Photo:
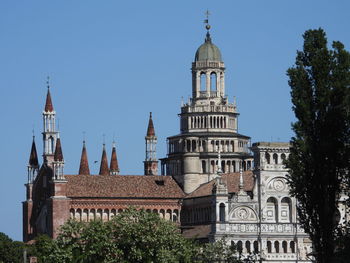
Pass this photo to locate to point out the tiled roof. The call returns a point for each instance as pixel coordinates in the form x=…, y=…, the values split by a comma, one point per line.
x=232, y=181
x=48, y=103
x=128, y=186
x=197, y=232
x=84, y=163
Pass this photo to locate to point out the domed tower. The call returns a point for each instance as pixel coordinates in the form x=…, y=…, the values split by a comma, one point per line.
x=208, y=124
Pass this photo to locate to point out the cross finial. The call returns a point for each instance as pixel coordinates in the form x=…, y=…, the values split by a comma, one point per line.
x=33, y=132
x=104, y=139
x=48, y=81
x=206, y=21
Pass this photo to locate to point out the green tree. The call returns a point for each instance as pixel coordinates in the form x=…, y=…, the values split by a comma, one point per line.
x=10, y=251
x=132, y=236
x=320, y=149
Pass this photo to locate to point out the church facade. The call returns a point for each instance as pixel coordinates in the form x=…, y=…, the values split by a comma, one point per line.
x=213, y=182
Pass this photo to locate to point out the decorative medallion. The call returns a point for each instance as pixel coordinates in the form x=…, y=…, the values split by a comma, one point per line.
x=243, y=213
x=279, y=185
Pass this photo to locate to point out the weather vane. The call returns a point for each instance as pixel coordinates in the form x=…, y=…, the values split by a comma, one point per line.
x=48, y=81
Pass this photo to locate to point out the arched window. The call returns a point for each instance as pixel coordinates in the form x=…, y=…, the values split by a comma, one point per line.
x=204, y=166
x=203, y=81
x=78, y=215
x=99, y=214
x=269, y=247
x=212, y=164
x=72, y=213
x=223, y=166
x=284, y=246
x=105, y=215
x=188, y=145
x=168, y=214
x=162, y=213
x=240, y=247
x=175, y=215
x=275, y=158
x=286, y=209
x=92, y=215
x=267, y=157
x=292, y=246
x=194, y=146
x=247, y=246
x=84, y=217
x=272, y=209
x=213, y=81
x=155, y=211
x=277, y=247
x=51, y=145
x=283, y=157
x=222, y=212
x=256, y=247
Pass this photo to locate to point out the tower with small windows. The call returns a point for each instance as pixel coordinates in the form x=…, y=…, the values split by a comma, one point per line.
x=49, y=132
x=208, y=124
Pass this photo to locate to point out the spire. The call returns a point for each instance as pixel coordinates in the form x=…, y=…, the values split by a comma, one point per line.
x=114, y=167
x=104, y=162
x=150, y=129
x=84, y=164
x=58, y=151
x=33, y=158
x=48, y=104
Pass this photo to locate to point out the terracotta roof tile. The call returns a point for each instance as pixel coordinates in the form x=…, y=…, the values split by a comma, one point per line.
x=197, y=232
x=84, y=163
x=232, y=181
x=128, y=186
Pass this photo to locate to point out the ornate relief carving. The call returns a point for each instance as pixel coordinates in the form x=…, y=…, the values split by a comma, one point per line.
x=277, y=184
x=243, y=213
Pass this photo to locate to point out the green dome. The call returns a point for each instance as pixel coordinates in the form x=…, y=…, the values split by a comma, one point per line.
x=208, y=51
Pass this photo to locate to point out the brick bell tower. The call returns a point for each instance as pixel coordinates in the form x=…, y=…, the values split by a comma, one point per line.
x=151, y=162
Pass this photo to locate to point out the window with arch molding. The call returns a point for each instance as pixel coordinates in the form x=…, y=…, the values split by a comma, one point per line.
x=213, y=78
x=267, y=157
x=222, y=212
x=272, y=209
x=286, y=209
x=203, y=81
x=275, y=158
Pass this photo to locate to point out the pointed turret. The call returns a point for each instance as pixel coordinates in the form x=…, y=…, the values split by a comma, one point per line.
x=33, y=164
x=84, y=163
x=114, y=167
x=104, y=163
x=58, y=151
x=58, y=163
x=151, y=162
x=33, y=158
x=48, y=104
x=150, y=129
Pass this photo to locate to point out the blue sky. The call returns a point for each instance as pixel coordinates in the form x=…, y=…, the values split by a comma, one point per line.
x=112, y=62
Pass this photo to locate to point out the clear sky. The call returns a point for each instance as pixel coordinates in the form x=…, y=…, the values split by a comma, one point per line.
x=112, y=62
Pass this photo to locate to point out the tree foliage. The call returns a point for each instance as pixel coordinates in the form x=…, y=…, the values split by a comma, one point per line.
x=320, y=149
x=10, y=251
x=132, y=236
